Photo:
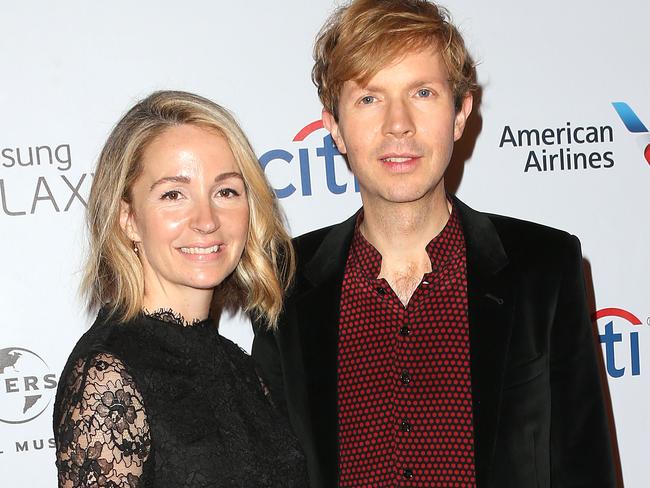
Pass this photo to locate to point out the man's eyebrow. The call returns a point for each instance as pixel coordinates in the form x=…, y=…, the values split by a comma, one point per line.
x=429, y=81
x=173, y=179
x=420, y=82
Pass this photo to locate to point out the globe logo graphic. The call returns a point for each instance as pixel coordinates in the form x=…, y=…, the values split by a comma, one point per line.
x=26, y=385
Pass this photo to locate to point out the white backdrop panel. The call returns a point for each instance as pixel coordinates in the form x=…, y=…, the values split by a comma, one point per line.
x=70, y=69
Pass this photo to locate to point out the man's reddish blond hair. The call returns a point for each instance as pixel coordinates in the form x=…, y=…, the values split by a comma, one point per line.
x=360, y=39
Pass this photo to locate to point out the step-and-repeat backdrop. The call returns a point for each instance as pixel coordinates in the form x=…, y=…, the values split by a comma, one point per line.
x=561, y=136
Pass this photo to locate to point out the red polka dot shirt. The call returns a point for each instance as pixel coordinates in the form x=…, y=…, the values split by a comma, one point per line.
x=404, y=386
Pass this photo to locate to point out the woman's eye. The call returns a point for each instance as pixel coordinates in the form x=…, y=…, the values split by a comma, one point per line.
x=367, y=100
x=227, y=193
x=171, y=195
x=424, y=92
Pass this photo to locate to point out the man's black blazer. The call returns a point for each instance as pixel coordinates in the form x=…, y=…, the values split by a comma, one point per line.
x=539, y=416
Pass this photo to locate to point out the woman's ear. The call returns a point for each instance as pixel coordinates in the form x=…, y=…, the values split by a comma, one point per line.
x=127, y=222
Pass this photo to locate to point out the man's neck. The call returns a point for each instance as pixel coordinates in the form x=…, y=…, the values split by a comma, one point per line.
x=401, y=232
x=397, y=229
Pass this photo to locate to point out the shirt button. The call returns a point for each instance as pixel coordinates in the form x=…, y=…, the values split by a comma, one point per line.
x=405, y=377
x=404, y=331
x=407, y=474
x=380, y=291
x=405, y=426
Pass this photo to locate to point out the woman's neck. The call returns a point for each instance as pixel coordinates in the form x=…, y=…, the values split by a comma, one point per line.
x=191, y=307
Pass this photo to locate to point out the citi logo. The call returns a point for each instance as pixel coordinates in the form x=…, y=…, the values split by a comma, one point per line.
x=620, y=339
x=635, y=126
x=289, y=174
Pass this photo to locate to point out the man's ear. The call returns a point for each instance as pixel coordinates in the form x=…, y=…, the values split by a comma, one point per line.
x=127, y=222
x=462, y=115
x=332, y=126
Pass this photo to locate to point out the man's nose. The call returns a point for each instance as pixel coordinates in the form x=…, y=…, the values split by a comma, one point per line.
x=398, y=120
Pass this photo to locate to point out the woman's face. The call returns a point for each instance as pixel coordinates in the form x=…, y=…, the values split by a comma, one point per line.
x=188, y=213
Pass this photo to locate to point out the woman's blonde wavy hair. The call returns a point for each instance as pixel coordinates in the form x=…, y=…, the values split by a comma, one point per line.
x=113, y=275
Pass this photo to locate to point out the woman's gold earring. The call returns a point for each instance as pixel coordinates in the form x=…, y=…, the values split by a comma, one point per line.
x=135, y=247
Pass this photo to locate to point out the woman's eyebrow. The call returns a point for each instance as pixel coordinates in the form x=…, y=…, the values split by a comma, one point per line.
x=173, y=179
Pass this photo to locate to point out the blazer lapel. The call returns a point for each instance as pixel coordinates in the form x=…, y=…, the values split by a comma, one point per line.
x=317, y=308
x=491, y=304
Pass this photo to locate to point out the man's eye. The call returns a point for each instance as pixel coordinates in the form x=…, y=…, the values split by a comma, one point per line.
x=171, y=195
x=424, y=92
x=367, y=100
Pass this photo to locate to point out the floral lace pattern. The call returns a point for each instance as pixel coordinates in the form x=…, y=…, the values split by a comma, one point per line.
x=103, y=438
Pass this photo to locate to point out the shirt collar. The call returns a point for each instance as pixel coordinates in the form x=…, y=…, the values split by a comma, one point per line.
x=366, y=260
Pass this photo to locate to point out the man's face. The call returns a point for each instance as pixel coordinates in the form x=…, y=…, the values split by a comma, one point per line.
x=398, y=131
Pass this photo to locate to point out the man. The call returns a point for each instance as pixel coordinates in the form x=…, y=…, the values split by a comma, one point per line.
x=424, y=343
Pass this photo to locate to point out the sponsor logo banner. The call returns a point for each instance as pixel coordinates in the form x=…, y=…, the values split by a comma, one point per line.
x=620, y=337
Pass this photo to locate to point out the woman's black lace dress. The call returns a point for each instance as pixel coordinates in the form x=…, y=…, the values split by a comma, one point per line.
x=154, y=403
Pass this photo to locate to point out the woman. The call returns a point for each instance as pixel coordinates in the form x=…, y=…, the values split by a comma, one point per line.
x=152, y=395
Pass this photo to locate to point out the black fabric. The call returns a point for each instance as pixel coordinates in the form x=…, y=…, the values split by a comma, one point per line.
x=539, y=416
x=155, y=403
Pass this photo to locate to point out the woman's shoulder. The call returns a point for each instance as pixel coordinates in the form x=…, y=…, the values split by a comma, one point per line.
x=92, y=342
x=93, y=355
x=109, y=335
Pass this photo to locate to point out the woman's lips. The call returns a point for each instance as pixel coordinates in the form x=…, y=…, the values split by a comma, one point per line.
x=201, y=253
x=200, y=250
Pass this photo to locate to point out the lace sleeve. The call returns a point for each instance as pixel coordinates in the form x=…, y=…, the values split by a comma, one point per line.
x=103, y=437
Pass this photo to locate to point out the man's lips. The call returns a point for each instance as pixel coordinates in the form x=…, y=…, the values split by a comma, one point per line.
x=400, y=161
x=398, y=157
